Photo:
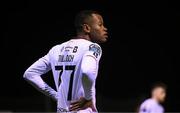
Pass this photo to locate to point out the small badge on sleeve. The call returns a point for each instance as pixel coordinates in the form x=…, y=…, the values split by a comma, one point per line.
x=95, y=49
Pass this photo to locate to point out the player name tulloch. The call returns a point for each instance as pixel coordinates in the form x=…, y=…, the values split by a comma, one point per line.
x=66, y=58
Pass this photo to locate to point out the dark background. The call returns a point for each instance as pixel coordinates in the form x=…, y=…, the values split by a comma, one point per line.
x=142, y=48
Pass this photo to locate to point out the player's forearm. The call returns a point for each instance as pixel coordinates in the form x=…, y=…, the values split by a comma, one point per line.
x=39, y=84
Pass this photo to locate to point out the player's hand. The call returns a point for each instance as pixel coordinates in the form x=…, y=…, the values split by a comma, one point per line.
x=82, y=104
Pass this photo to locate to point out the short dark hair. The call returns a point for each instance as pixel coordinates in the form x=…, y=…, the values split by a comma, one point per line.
x=82, y=18
x=159, y=85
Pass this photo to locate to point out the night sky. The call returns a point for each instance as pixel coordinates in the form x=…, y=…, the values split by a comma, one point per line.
x=142, y=49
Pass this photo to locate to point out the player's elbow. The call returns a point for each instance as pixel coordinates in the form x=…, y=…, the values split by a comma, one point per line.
x=27, y=75
x=88, y=74
x=86, y=71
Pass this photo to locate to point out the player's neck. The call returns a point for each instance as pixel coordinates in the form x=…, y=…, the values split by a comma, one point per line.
x=155, y=99
x=83, y=36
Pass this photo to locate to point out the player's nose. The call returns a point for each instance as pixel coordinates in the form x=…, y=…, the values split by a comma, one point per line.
x=105, y=29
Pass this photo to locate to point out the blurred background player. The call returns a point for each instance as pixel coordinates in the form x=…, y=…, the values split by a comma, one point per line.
x=74, y=65
x=153, y=104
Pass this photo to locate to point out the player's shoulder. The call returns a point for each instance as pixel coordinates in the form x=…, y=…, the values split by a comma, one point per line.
x=57, y=47
x=85, y=42
x=146, y=106
x=90, y=46
x=94, y=47
x=148, y=103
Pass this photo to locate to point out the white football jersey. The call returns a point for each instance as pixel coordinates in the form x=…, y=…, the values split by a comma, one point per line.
x=65, y=60
x=151, y=106
x=74, y=65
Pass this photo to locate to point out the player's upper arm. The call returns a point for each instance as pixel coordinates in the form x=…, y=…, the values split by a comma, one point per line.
x=90, y=61
x=40, y=67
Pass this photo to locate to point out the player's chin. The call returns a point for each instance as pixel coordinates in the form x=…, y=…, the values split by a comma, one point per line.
x=104, y=38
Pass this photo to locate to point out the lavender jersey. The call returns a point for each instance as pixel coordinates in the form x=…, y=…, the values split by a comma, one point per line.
x=151, y=106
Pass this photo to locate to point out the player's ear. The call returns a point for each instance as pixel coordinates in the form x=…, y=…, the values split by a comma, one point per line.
x=86, y=28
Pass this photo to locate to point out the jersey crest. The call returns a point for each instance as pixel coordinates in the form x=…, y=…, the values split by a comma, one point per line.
x=95, y=49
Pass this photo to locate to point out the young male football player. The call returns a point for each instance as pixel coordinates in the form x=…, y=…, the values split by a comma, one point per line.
x=153, y=104
x=74, y=65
